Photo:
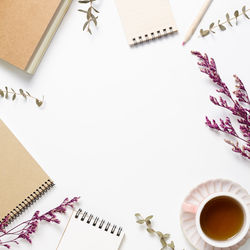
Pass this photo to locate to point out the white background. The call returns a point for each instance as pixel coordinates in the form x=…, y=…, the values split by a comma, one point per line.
x=124, y=127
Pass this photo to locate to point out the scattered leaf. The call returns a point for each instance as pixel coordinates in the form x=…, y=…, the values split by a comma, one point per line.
x=221, y=26
x=236, y=14
x=204, y=32
x=228, y=19
x=14, y=97
x=244, y=11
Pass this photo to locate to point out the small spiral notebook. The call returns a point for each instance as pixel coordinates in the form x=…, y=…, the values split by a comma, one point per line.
x=85, y=231
x=22, y=180
x=145, y=20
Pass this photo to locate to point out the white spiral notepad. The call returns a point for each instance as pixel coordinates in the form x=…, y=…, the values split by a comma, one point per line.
x=87, y=232
x=145, y=20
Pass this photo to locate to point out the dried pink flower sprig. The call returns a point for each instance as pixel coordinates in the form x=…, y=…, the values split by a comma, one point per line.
x=239, y=107
x=25, y=229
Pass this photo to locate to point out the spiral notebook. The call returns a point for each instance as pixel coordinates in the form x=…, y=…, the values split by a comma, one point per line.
x=22, y=181
x=85, y=231
x=145, y=20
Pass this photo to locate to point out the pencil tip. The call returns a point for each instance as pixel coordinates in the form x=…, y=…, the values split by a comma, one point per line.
x=183, y=43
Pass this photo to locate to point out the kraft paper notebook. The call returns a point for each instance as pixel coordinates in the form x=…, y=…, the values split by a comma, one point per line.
x=22, y=181
x=85, y=231
x=26, y=29
x=145, y=20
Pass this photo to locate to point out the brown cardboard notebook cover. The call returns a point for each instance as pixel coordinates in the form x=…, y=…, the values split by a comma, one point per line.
x=22, y=181
x=23, y=24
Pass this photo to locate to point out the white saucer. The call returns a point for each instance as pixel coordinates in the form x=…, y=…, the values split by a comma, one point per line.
x=196, y=196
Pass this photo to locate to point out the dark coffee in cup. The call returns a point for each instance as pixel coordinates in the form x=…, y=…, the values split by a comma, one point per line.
x=222, y=218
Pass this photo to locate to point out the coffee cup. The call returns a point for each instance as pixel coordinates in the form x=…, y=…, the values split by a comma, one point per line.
x=241, y=221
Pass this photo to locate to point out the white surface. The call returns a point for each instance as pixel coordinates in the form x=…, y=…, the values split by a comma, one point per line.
x=124, y=128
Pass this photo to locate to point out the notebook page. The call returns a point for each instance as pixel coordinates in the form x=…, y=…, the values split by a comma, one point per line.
x=146, y=19
x=83, y=236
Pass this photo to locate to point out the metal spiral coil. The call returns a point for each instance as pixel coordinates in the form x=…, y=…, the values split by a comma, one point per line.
x=29, y=200
x=95, y=221
x=151, y=36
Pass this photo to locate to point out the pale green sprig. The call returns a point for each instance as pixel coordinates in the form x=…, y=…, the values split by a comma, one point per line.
x=229, y=21
x=91, y=17
x=163, y=237
x=12, y=94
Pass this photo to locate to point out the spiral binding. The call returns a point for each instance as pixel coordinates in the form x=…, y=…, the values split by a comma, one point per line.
x=29, y=201
x=96, y=222
x=152, y=36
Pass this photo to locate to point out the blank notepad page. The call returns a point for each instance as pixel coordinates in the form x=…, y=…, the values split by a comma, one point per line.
x=87, y=232
x=146, y=19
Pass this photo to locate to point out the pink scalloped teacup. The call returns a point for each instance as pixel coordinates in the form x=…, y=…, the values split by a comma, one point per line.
x=245, y=229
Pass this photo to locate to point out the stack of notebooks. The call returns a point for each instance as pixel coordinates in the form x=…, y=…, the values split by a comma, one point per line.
x=26, y=29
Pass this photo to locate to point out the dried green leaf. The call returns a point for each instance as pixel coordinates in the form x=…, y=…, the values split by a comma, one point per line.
x=27, y=93
x=211, y=26
x=95, y=10
x=22, y=93
x=6, y=92
x=89, y=13
x=85, y=25
x=89, y=30
x=148, y=222
x=222, y=27
x=166, y=236
x=140, y=221
x=84, y=1
x=204, y=32
x=150, y=230
x=163, y=242
x=94, y=19
x=171, y=245
x=138, y=215
x=236, y=15
x=244, y=11
x=228, y=19
x=82, y=10
x=39, y=103
x=13, y=90
x=1, y=93
x=160, y=234
x=14, y=97
x=149, y=217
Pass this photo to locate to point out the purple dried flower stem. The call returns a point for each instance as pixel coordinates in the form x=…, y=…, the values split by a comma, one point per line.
x=209, y=67
x=30, y=226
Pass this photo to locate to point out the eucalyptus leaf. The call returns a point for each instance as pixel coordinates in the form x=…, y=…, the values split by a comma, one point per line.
x=221, y=26
x=236, y=15
x=228, y=19
x=140, y=221
x=14, y=97
x=204, y=32
x=6, y=92
x=1, y=93
x=85, y=25
x=149, y=217
x=150, y=230
x=244, y=11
